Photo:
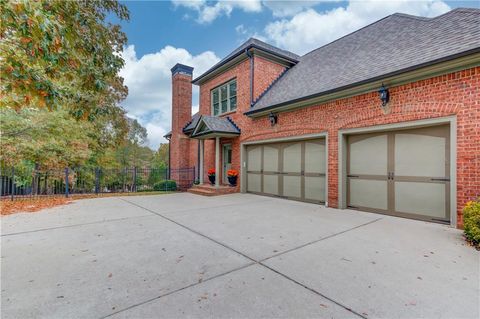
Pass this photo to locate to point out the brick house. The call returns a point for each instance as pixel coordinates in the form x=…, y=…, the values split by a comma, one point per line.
x=385, y=119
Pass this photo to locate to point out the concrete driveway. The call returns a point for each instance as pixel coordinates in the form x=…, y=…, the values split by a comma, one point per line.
x=233, y=256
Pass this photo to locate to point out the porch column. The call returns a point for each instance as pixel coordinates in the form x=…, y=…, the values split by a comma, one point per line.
x=217, y=162
x=201, y=162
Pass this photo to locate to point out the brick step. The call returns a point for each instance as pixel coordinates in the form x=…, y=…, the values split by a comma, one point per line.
x=204, y=192
x=209, y=190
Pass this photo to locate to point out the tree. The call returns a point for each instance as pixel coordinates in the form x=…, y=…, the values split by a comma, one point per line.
x=160, y=159
x=62, y=54
x=63, y=57
x=50, y=139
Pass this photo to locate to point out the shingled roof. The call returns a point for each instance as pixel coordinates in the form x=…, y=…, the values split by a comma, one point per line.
x=214, y=124
x=392, y=45
x=191, y=125
x=251, y=43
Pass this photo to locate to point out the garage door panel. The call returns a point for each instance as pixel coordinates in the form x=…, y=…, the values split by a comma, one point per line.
x=254, y=183
x=270, y=158
x=369, y=155
x=254, y=158
x=421, y=198
x=270, y=184
x=315, y=188
x=369, y=193
x=315, y=157
x=420, y=155
x=292, y=186
x=292, y=160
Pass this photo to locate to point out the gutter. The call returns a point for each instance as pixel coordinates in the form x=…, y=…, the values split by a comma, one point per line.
x=364, y=82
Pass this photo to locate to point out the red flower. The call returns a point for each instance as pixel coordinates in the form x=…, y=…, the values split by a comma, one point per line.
x=232, y=173
x=211, y=172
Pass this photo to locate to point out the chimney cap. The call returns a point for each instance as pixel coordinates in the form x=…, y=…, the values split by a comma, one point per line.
x=182, y=68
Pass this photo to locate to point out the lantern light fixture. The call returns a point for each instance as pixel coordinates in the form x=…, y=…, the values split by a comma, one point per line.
x=384, y=95
x=273, y=118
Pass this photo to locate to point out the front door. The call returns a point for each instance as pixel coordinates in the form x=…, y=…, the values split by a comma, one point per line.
x=227, y=161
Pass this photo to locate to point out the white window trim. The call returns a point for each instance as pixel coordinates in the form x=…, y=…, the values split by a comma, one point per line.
x=227, y=84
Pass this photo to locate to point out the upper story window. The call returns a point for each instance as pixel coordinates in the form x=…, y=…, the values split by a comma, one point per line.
x=224, y=98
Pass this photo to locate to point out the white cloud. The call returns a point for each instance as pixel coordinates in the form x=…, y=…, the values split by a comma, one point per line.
x=208, y=12
x=149, y=86
x=310, y=29
x=290, y=8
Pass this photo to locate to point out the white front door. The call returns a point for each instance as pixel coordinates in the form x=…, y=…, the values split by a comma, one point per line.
x=227, y=161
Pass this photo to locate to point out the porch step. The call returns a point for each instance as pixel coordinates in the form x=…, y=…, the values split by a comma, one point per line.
x=209, y=190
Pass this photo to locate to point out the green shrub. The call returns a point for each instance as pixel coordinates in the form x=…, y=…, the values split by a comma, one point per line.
x=471, y=222
x=166, y=185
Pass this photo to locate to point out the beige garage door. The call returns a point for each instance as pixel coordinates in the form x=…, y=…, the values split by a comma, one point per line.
x=404, y=173
x=294, y=170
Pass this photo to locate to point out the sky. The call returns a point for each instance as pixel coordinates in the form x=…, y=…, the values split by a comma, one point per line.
x=199, y=33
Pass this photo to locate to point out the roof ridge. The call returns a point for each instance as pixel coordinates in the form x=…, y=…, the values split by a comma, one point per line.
x=401, y=15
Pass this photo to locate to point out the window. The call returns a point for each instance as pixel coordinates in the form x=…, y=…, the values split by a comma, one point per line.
x=224, y=98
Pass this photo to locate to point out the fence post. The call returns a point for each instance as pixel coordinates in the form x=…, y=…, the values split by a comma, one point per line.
x=97, y=180
x=134, y=179
x=66, y=182
x=12, y=181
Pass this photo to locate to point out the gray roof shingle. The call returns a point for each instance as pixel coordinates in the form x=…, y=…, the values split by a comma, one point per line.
x=251, y=43
x=217, y=125
x=193, y=122
x=390, y=45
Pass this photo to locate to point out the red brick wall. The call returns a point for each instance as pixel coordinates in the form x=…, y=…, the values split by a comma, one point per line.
x=265, y=72
x=241, y=72
x=181, y=114
x=452, y=94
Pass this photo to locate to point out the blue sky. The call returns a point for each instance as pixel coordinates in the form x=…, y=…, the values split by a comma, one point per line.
x=199, y=33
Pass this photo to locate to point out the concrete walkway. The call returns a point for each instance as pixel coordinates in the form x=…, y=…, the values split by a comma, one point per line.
x=233, y=256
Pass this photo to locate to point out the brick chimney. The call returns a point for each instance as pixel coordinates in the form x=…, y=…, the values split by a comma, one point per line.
x=181, y=114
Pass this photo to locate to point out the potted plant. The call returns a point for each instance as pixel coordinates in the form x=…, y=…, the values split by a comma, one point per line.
x=232, y=176
x=211, y=176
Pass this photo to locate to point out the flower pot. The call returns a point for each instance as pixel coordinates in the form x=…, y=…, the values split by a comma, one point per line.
x=211, y=178
x=232, y=180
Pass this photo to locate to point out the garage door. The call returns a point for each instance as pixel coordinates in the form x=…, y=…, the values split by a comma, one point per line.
x=404, y=173
x=294, y=170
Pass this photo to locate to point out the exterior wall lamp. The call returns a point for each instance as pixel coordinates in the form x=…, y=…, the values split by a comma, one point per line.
x=384, y=95
x=273, y=118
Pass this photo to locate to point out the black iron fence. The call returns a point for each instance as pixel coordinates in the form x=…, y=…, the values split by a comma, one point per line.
x=24, y=182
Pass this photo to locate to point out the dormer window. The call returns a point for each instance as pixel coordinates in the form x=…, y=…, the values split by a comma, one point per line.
x=224, y=98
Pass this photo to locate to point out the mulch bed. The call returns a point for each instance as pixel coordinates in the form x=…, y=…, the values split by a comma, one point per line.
x=35, y=204
x=31, y=205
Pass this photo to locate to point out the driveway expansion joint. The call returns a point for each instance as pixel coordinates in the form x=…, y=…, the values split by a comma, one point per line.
x=253, y=262
x=75, y=225
x=320, y=239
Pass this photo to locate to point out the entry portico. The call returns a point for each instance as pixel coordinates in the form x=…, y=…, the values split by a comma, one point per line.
x=210, y=127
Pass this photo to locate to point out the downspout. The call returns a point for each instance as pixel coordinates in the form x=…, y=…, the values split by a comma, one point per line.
x=169, y=167
x=250, y=56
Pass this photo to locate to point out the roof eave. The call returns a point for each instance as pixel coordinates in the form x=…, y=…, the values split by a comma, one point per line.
x=212, y=134
x=466, y=59
x=235, y=59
